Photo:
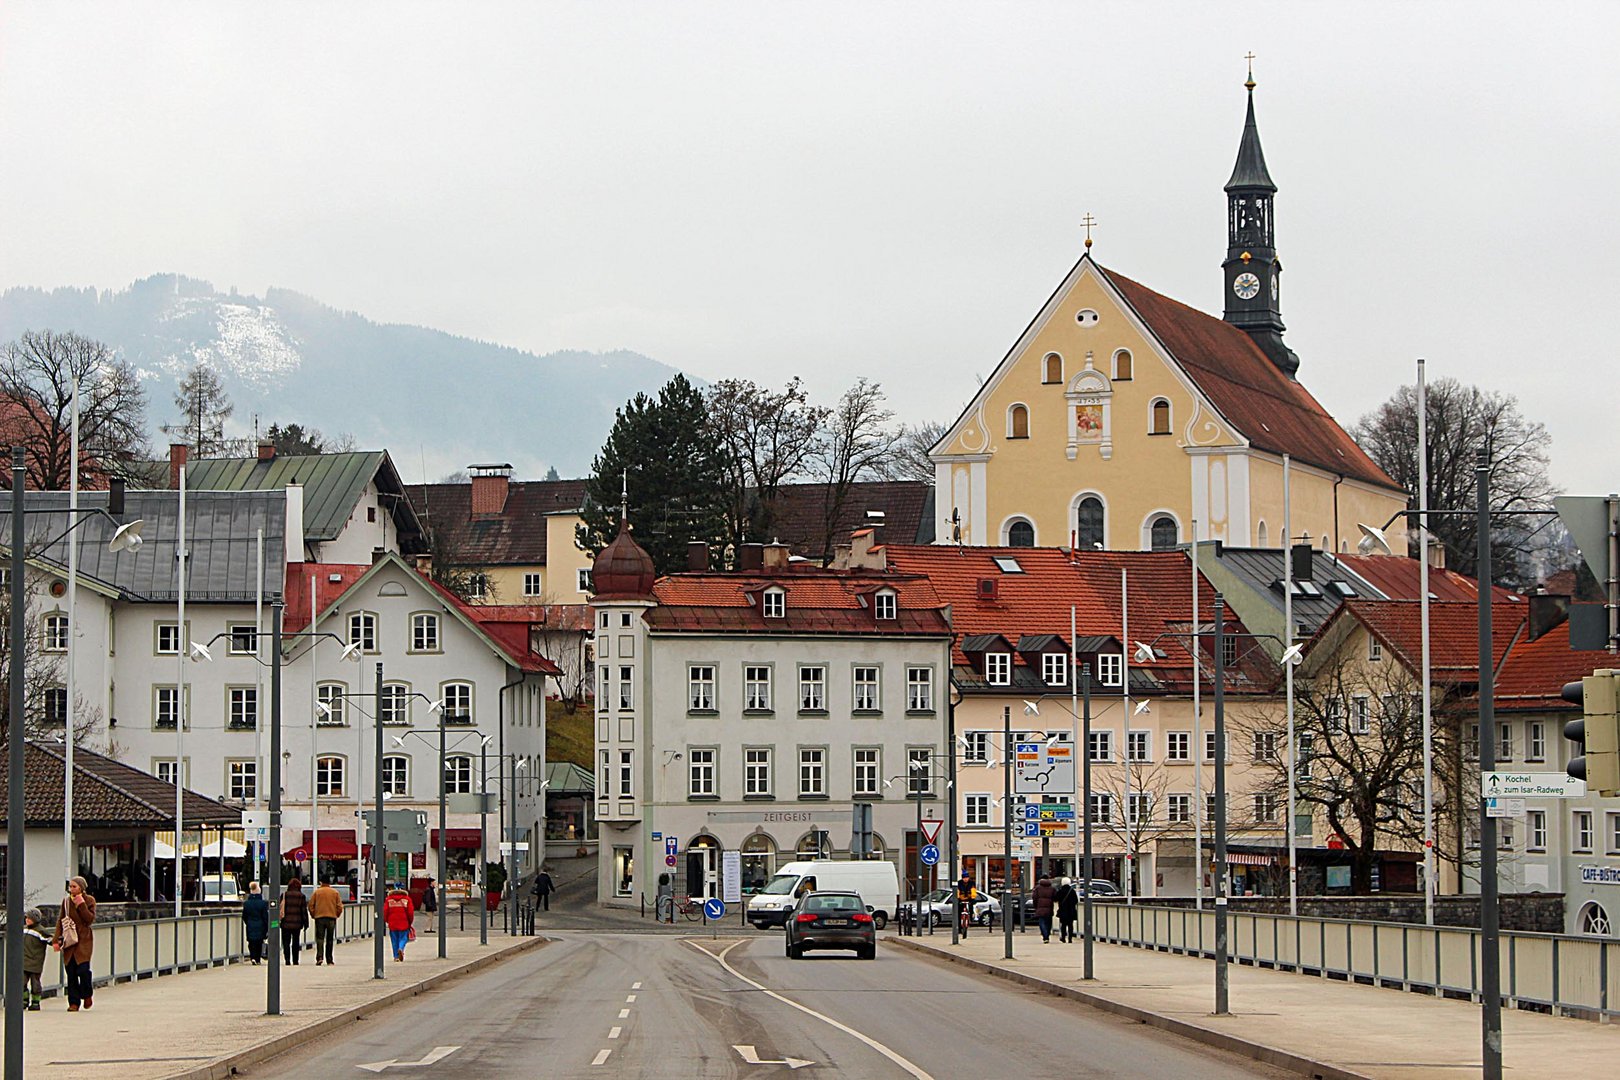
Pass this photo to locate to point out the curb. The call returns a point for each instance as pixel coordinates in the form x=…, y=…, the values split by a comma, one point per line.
x=225, y=1067
x=1269, y=1055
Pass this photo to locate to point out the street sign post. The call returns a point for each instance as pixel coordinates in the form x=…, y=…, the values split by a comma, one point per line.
x=255, y=826
x=1043, y=769
x=1522, y=785
x=1048, y=820
x=929, y=855
x=714, y=909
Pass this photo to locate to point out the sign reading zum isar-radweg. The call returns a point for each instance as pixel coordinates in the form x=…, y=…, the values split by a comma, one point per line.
x=1530, y=785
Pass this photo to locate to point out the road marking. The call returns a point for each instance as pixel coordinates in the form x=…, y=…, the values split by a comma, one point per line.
x=751, y=1056
x=613, y=1033
x=438, y=1053
x=623, y=1013
x=635, y=986
x=720, y=958
x=630, y=999
x=601, y=1056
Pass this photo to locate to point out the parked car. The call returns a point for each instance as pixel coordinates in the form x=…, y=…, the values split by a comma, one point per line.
x=875, y=881
x=937, y=908
x=221, y=889
x=831, y=920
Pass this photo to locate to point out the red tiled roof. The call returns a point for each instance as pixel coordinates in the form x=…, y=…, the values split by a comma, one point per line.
x=327, y=591
x=1398, y=578
x=1537, y=670
x=1272, y=411
x=818, y=601
x=1453, y=633
x=516, y=536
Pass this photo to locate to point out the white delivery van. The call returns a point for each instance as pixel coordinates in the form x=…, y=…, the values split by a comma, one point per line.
x=875, y=881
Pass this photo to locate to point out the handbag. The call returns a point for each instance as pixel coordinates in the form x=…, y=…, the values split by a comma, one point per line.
x=412, y=935
x=68, y=932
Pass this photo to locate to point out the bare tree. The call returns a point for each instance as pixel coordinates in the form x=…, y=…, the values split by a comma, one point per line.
x=856, y=444
x=768, y=437
x=38, y=372
x=911, y=460
x=205, y=406
x=44, y=669
x=564, y=638
x=1462, y=420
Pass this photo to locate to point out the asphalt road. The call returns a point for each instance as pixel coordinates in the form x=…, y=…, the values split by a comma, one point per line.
x=595, y=1004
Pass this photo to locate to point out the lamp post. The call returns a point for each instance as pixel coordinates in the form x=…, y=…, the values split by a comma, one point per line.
x=1490, y=966
x=1006, y=830
x=483, y=841
x=1221, y=975
x=1088, y=971
x=125, y=537
x=379, y=843
x=444, y=843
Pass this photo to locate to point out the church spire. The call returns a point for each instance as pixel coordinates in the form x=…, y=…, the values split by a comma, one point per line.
x=1252, y=270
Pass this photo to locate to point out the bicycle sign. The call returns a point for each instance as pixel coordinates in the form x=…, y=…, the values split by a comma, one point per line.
x=714, y=909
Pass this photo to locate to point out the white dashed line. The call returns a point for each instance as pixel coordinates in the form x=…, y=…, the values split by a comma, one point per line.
x=613, y=1033
x=623, y=1013
x=630, y=999
x=635, y=986
x=601, y=1056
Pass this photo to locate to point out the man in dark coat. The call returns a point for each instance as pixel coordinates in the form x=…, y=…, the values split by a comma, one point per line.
x=1045, y=898
x=543, y=888
x=255, y=921
x=1068, y=909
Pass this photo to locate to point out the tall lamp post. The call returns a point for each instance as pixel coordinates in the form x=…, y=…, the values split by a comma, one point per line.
x=399, y=740
x=126, y=537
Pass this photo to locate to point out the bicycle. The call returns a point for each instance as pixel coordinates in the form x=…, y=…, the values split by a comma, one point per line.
x=669, y=906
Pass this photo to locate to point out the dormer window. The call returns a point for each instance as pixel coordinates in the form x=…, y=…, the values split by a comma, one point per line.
x=998, y=668
x=1110, y=668
x=885, y=605
x=1055, y=669
x=773, y=604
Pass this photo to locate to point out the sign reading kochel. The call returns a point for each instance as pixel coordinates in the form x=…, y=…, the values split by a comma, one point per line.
x=1600, y=875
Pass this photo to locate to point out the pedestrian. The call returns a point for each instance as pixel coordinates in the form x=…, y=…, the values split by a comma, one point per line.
x=325, y=906
x=255, y=921
x=294, y=916
x=75, y=940
x=35, y=944
x=543, y=889
x=399, y=913
x=430, y=903
x=966, y=896
x=1045, y=897
x=1068, y=909
x=354, y=886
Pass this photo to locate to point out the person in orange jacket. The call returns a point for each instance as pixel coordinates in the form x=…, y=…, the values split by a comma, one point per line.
x=398, y=913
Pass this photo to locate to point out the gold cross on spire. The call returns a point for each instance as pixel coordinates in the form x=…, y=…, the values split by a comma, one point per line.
x=1088, y=221
x=1250, y=58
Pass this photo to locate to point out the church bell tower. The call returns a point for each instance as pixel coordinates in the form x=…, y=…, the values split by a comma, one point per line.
x=1252, y=270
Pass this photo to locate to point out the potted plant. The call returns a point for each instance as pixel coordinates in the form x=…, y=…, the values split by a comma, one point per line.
x=494, y=884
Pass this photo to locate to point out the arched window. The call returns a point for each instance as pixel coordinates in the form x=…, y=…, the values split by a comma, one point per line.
x=809, y=847
x=758, y=862
x=1018, y=422
x=1122, y=365
x=458, y=774
x=1594, y=920
x=330, y=781
x=1261, y=536
x=1020, y=533
x=396, y=775
x=1053, y=370
x=1164, y=533
x=1161, y=417
x=1090, y=523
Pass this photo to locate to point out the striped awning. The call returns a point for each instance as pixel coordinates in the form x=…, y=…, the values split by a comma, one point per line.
x=1243, y=858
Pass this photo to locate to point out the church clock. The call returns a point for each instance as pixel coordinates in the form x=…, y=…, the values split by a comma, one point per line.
x=1246, y=286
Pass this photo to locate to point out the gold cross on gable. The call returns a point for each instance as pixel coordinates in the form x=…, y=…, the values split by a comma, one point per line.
x=1088, y=221
x=1250, y=58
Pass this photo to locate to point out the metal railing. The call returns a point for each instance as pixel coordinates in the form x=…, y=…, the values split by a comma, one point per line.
x=1555, y=973
x=147, y=948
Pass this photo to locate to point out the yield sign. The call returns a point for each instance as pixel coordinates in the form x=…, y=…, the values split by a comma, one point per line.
x=930, y=830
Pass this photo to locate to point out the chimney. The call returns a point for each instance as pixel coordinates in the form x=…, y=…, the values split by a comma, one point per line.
x=295, y=523
x=115, y=496
x=378, y=554
x=267, y=450
x=489, y=487
x=1301, y=555
x=177, y=461
x=865, y=553
x=697, y=555
x=751, y=557
x=776, y=556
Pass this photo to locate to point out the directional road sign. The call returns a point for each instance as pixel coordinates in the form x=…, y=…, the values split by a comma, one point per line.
x=714, y=909
x=1048, y=819
x=1043, y=769
x=929, y=855
x=1530, y=785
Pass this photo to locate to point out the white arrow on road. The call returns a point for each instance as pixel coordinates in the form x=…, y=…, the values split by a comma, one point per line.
x=751, y=1056
x=437, y=1054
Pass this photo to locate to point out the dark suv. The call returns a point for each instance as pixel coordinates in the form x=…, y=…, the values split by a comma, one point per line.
x=831, y=920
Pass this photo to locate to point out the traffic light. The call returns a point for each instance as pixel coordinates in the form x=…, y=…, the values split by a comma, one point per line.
x=1597, y=732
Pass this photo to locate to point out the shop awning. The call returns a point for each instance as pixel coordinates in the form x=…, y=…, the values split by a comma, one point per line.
x=455, y=838
x=335, y=844
x=1243, y=858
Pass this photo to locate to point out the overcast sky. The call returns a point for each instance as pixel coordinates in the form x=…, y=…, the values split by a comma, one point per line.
x=833, y=190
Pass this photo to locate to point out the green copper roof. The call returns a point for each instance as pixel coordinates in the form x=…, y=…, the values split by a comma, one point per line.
x=333, y=484
x=1250, y=170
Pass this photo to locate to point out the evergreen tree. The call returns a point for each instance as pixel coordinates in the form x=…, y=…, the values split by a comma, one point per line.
x=667, y=454
x=204, y=406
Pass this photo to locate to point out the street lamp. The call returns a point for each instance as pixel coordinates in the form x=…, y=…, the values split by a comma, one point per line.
x=126, y=537
x=399, y=740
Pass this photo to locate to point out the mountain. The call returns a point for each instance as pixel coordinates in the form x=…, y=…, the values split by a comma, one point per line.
x=436, y=401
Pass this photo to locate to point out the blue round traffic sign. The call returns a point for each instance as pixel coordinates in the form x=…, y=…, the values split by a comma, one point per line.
x=930, y=854
x=714, y=909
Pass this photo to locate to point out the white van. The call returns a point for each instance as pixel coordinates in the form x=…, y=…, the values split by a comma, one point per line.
x=875, y=881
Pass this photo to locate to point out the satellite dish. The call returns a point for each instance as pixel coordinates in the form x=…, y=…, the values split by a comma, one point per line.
x=128, y=536
x=1373, y=541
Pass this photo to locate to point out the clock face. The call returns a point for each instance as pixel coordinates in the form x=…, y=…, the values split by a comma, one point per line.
x=1246, y=285
x=1273, y=288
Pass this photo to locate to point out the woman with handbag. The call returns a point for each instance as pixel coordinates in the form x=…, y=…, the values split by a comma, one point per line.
x=75, y=940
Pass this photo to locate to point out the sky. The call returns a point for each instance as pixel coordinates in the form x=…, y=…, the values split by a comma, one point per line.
x=833, y=190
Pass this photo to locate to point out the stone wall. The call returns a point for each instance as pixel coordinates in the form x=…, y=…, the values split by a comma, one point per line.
x=1540, y=913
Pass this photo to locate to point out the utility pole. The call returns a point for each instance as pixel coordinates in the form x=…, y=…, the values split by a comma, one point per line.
x=1490, y=960
x=1085, y=770
x=379, y=843
x=1006, y=829
x=272, y=992
x=1220, y=807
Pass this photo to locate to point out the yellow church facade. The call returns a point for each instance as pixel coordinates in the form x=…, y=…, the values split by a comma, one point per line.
x=1123, y=419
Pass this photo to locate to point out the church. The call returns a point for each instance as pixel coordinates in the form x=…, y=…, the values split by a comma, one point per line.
x=1123, y=419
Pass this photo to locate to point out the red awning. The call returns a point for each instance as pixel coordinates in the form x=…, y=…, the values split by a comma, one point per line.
x=1243, y=858
x=456, y=838
x=335, y=844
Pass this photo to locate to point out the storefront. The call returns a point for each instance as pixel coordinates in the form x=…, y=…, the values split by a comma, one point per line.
x=460, y=859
